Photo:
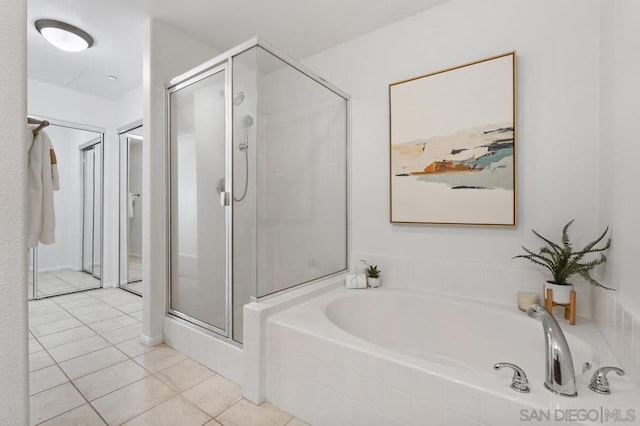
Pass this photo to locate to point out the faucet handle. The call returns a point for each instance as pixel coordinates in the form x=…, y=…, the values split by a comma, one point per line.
x=519, y=383
x=599, y=382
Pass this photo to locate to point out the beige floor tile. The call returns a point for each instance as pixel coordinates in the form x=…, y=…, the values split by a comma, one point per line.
x=184, y=374
x=78, y=300
x=95, y=306
x=40, y=360
x=245, y=413
x=46, y=378
x=34, y=346
x=134, y=347
x=176, y=411
x=99, y=316
x=132, y=400
x=214, y=395
x=79, y=347
x=86, y=364
x=159, y=359
x=35, y=312
x=131, y=307
x=53, y=402
x=55, y=327
x=113, y=323
x=48, y=318
x=297, y=422
x=67, y=336
x=100, y=383
x=212, y=423
x=137, y=315
x=123, y=334
x=81, y=416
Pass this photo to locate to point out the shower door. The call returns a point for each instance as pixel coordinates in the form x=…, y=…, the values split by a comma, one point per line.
x=199, y=201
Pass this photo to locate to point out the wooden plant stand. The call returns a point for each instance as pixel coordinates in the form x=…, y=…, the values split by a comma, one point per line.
x=569, y=308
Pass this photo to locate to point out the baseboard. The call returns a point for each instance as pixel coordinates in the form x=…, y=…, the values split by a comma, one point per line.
x=151, y=341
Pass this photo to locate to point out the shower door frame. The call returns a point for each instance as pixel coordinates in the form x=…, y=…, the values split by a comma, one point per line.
x=34, y=260
x=226, y=67
x=206, y=69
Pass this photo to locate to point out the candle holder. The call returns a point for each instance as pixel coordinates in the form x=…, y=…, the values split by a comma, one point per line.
x=526, y=299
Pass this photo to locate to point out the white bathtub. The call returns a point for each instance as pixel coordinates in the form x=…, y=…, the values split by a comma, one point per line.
x=457, y=333
x=387, y=357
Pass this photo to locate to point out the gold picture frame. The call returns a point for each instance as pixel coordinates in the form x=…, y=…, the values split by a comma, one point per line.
x=452, y=145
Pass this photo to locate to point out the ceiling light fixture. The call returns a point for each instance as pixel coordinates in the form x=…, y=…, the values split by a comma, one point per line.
x=64, y=36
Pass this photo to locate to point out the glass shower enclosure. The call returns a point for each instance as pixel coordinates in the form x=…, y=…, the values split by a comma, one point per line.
x=257, y=151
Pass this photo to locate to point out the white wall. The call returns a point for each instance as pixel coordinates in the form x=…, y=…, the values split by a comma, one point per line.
x=129, y=107
x=618, y=314
x=14, y=392
x=619, y=148
x=557, y=146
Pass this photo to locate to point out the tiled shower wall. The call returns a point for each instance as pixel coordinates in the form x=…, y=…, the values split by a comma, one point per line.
x=619, y=323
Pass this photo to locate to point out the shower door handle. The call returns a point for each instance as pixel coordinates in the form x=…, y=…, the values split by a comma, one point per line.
x=225, y=199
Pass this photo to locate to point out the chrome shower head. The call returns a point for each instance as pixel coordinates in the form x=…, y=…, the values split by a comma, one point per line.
x=237, y=98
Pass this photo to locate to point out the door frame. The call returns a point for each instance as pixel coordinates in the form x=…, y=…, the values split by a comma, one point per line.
x=225, y=66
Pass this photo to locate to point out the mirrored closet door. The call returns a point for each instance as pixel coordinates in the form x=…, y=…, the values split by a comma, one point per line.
x=74, y=262
x=131, y=146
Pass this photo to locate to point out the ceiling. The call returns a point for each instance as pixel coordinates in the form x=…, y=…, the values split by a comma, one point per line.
x=299, y=27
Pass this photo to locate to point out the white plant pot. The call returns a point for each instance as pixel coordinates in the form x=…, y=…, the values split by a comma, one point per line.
x=373, y=282
x=561, y=293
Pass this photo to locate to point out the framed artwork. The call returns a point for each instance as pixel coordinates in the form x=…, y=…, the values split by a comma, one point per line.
x=452, y=145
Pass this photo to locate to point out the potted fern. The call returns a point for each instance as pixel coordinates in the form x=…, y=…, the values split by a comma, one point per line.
x=564, y=262
x=373, y=276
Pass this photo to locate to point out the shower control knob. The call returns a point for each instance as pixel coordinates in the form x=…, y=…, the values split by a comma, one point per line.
x=519, y=383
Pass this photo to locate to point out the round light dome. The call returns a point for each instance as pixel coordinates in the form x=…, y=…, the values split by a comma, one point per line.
x=64, y=36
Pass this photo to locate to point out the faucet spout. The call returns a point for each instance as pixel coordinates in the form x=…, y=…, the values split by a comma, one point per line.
x=560, y=376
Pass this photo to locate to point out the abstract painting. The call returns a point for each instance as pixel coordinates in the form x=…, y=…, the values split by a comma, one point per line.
x=452, y=138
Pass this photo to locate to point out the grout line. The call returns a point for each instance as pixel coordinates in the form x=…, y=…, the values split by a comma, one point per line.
x=175, y=392
x=72, y=384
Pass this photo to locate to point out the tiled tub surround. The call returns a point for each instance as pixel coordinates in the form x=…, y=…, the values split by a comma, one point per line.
x=326, y=375
x=482, y=281
x=619, y=323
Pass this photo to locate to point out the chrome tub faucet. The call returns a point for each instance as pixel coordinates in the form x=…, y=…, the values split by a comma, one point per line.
x=560, y=376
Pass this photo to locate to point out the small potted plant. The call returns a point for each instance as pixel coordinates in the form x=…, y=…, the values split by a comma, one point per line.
x=373, y=276
x=564, y=262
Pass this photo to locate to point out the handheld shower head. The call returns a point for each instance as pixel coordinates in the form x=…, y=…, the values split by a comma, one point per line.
x=247, y=121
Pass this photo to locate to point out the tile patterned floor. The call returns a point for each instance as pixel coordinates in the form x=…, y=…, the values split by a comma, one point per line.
x=135, y=275
x=62, y=281
x=87, y=367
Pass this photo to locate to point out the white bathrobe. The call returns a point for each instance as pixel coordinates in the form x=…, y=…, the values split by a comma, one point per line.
x=43, y=180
